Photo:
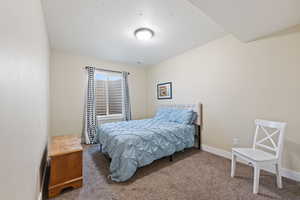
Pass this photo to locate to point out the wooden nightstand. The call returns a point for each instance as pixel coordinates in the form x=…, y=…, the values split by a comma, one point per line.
x=65, y=154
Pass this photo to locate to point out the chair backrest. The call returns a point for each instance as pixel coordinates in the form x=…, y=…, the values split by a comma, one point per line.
x=277, y=130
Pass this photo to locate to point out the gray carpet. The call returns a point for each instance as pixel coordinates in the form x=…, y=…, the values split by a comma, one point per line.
x=193, y=174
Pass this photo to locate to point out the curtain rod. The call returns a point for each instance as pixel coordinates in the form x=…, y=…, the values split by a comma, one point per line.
x=108, y=70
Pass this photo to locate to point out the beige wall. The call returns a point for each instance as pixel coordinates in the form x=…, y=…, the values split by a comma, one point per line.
x=24, y=58
x=67, y=85
x=237, y=83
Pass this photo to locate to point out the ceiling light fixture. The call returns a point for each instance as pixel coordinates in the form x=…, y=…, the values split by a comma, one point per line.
x=143, y=34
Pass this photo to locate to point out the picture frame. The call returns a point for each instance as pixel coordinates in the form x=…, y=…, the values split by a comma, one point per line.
x=164, y=90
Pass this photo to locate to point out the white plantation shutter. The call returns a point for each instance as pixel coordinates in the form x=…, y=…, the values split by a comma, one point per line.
x=100, y=95
x=108, y=93
x=115, y=97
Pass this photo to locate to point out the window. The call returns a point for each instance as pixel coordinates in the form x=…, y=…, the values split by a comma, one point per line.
x=109, y=95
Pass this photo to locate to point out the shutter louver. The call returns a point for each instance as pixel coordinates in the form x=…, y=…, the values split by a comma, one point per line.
x=115, y=96
x=100, y=97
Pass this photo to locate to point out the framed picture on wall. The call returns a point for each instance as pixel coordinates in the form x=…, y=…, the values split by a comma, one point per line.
x=164, y=90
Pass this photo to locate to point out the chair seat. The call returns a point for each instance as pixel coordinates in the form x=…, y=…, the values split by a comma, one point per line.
x=254, y=154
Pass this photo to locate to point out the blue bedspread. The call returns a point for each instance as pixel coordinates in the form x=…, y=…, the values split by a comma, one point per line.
x=136, y=143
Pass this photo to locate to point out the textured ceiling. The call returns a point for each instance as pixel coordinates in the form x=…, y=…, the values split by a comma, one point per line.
x=251, y=19
x=104, y=28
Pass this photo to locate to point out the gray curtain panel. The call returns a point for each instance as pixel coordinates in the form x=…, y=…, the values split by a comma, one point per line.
x=89, y=132
x=126, y=99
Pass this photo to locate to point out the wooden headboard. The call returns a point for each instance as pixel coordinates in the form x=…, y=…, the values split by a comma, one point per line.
x=195, y=107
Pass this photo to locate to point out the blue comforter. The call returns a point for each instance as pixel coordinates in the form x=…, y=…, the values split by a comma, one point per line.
x=136, y=143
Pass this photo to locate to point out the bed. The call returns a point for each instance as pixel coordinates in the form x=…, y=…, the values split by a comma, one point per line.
x=136, y=143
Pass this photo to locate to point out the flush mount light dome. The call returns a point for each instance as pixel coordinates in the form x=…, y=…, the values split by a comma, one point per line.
x=143, y=33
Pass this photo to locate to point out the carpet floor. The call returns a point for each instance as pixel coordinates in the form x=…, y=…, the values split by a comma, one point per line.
x=193, y=175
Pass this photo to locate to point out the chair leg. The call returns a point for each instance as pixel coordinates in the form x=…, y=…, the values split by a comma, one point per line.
x=256, y=179
x=278, y=176
x=233, y=165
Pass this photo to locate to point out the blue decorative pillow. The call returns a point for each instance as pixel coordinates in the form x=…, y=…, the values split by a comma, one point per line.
x=163, y=114
x=182, y=116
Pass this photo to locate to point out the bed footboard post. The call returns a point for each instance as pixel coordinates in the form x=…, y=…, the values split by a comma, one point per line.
x=199, y=137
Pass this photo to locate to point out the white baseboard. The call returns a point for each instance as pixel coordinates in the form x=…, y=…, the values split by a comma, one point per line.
x=40, y=196
x=226, y=154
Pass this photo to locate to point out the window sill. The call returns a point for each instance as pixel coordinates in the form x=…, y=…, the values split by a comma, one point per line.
x=108, y=117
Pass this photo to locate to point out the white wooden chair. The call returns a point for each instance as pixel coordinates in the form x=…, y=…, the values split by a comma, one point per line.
x=259, y=158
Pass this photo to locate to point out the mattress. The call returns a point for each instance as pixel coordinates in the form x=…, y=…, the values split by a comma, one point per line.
x=136, y=143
